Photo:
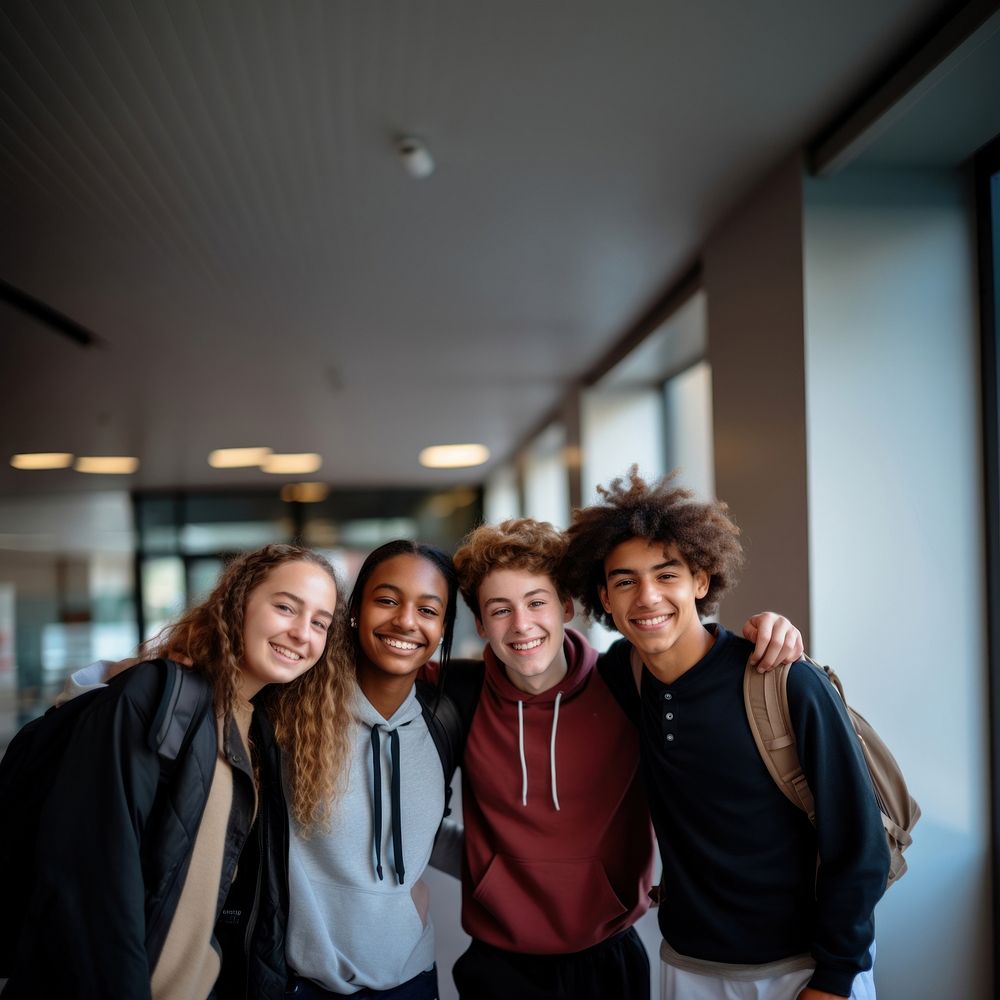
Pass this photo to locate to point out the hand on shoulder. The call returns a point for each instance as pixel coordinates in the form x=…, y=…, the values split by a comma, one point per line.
x=776, y=641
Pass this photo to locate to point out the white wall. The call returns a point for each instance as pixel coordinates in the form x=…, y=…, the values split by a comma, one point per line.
x=896, y=537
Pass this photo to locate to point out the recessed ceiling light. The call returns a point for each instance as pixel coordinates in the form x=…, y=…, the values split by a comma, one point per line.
x=304, y=492
x=107, y=465
x=292, y=465
x=237, y=458
x=454, y=456
x=42, y=460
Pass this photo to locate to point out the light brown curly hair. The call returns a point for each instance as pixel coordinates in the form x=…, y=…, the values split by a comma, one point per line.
x=519, y=543
x=311, y=714
x=661, y=512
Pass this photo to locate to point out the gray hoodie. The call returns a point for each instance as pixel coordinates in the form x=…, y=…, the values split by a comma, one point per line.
x=350, y=927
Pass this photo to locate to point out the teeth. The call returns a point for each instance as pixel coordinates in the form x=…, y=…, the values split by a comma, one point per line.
x=531, y=644
x=285, y=651
x=400, y=644
x=658, y=620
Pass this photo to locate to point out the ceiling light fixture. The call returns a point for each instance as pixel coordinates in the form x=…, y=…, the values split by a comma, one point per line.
x=454, y=456
x=107, y=465
x=237, y=458
x=415, y=156
x=42, y=460
x=292, y=465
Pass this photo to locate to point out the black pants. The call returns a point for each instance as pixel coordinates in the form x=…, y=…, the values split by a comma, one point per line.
x=616, y=969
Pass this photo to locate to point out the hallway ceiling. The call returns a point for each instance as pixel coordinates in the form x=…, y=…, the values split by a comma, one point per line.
x=211, y=187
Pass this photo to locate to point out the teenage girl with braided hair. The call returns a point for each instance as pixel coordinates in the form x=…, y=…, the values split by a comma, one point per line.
x=132, y=871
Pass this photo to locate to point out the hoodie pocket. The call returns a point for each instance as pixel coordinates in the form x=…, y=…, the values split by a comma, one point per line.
x=563, y=905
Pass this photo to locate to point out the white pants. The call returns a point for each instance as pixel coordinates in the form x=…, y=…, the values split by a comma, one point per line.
x=678, y=984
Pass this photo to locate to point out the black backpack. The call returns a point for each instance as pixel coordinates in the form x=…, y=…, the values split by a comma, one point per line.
x=448, y=708
x=33, y=759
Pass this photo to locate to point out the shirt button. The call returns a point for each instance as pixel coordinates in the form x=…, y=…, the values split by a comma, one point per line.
x=668, y=696
x=669, y=715
x=670, y=737
x=236, y=758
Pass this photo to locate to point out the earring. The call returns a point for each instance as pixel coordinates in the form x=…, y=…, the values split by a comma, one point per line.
x=354, y=623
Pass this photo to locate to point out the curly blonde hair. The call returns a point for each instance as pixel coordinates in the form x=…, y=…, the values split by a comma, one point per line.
x=518, y=543
x=311, y=714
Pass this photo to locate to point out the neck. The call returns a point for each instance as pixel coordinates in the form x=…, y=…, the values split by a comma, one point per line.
x=542, y=682
x=386, y=692
x=249, y=687
x=672, y=663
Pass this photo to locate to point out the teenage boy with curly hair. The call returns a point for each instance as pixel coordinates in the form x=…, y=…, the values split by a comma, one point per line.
x=559, y=850
x=746, y=909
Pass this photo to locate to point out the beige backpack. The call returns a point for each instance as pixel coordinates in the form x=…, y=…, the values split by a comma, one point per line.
x=766, y=698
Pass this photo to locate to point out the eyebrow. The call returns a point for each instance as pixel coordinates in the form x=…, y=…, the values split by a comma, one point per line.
x=295, y=599
x=398, y=590
x=507, y=600
x=669, y=564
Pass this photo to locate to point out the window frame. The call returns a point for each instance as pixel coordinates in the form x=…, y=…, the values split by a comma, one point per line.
x=987, y=200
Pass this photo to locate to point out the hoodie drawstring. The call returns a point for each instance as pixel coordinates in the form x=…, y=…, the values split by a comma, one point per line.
x=397, y=824
x=397, y=820
x=520, y=744
x=552, y=751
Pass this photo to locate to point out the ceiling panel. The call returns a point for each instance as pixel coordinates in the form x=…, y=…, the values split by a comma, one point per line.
x=210, y=186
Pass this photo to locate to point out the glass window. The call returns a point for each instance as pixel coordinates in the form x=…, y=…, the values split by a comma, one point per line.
x=500, y=499
x=66, y=594
x=621, y=426
x=688, y=443
x=546, y=481
x=164, y=592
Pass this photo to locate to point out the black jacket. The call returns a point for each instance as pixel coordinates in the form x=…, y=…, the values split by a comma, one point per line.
x=115, y=843
x=254, y=918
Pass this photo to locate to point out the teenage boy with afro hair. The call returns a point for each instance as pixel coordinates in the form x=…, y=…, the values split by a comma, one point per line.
x=746, y=910
x=558, y=851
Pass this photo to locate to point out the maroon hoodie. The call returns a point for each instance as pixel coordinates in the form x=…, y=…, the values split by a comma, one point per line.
x=558, y=842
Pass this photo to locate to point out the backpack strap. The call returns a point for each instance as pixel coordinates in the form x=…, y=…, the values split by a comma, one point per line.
x=186, y=698
x=444, y=724
x=447, y=709
x=766, y=700
x=463, y=682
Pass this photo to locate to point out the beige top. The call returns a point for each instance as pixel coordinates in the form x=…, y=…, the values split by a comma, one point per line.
x=189, y=965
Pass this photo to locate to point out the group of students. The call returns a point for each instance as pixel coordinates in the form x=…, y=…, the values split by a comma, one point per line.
x=308, y=804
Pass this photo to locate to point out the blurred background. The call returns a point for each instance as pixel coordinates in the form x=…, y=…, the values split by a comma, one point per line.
x=257, y=258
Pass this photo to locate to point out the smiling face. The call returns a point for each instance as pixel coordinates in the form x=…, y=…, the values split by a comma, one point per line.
x=651, y=594
x=522, y=616
x=286, y=624
x=400, y=617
